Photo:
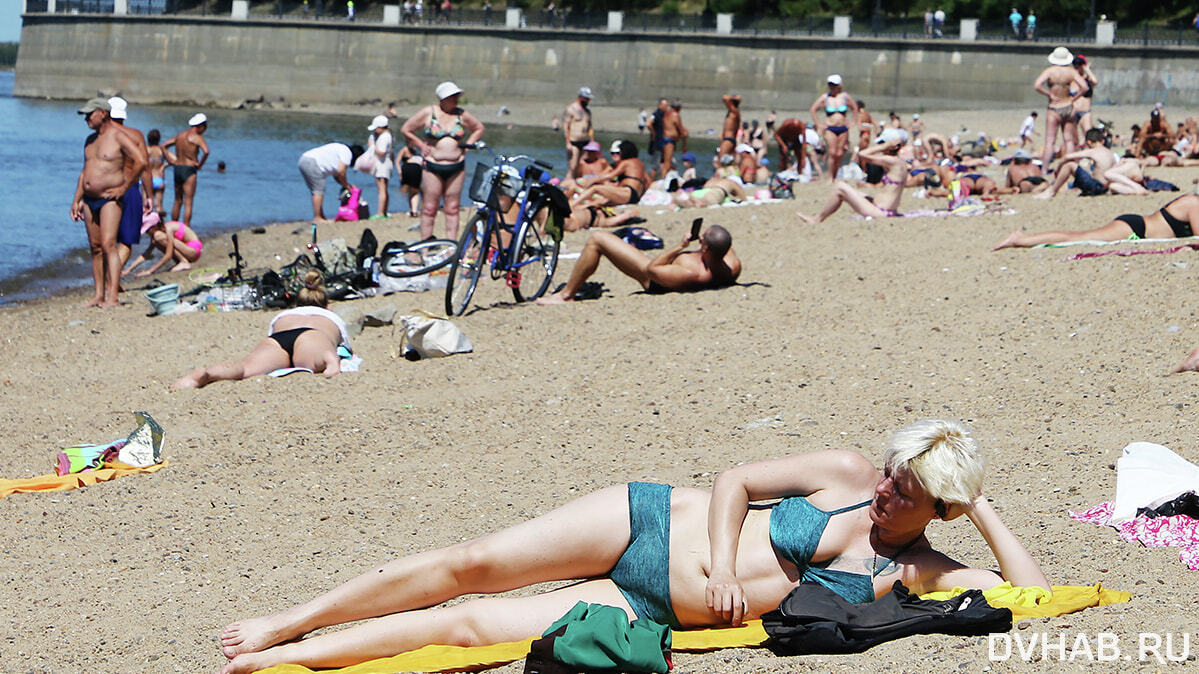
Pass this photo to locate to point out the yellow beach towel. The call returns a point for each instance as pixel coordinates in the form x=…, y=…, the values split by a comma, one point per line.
x=1025, y=602
x=111, y=470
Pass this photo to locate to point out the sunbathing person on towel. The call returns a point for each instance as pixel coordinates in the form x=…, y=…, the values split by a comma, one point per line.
x=307, y=336
x=1174, y=220
x=683, y=557
x=714, y=265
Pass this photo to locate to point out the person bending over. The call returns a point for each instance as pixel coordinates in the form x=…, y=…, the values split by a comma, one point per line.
x=1174, y=220
x=714, y=265
x=176, y=240
x=885, y=153
x=307, y=336
x=684, y=557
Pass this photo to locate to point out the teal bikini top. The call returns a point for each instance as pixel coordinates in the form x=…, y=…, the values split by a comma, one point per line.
x=795, y=530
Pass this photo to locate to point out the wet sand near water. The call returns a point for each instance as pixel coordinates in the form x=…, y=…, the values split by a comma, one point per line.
x=838, y=334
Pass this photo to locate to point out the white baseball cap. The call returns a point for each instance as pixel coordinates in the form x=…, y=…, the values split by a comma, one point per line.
x=585, y=92
x=447, y=89
x=615, y=149
x=834, y=79
x=198, y=119
x=120, y=107
x=379, y=122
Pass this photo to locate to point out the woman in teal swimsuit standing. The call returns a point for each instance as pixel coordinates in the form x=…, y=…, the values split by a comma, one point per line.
x=441, y=132
x=840, y=114
x=682, y=557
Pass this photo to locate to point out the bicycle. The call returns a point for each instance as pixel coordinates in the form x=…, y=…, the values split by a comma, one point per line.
x=402, y=260
x=525, y=251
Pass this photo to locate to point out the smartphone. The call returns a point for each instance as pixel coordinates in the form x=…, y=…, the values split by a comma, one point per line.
x=696, y=224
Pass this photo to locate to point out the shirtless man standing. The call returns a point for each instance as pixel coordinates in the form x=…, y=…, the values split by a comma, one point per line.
x=673, y=132
x=577, y=129
x=1110, y=172
x=1055, y=83
x=714, y=265
x=732, y=122
x=187, y=160
x=139, y=198
x=790, y=138
x=107, y=174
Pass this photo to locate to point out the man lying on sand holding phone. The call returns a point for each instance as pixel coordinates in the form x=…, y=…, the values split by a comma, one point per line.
x=714, y=265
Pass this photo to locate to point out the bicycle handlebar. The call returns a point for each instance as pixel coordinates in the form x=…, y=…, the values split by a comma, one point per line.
x=507, y=159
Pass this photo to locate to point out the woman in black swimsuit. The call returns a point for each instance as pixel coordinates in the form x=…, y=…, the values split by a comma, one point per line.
x=440, y=132
x=308, y=336
x=1174, y=220
x=629, y=176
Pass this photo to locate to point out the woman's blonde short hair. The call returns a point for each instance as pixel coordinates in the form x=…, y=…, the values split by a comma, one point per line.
x=942, y=457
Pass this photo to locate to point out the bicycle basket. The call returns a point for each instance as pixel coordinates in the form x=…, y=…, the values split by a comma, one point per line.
x=480, y=185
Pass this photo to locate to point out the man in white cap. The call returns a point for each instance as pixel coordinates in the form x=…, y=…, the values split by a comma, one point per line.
x=379, y=145
x=1061, y=84
x=191, y=151
x=139, y=198
x=112, y=162
x=576, y=127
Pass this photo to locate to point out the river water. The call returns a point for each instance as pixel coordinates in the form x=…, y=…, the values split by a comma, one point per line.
x=41, y=152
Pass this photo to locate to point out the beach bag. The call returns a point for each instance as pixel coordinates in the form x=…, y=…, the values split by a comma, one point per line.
x=639, y=237
x=428, y=335
x=813, y=619
x=596, y=638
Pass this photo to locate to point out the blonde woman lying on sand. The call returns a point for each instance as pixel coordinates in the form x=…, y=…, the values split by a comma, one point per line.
x=683, y=557
x=1174, y=220
x=307, y=336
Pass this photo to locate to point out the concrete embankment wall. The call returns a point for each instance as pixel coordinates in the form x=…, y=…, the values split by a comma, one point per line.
x=224, y=62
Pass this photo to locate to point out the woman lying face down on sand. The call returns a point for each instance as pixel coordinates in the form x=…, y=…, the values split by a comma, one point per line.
x=683, y=557
x=307, y=336
x=1176, y=219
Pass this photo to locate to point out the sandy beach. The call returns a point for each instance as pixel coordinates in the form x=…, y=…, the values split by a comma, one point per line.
x=837, y=335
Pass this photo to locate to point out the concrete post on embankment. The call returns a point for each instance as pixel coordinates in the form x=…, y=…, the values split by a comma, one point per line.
x=1105, y=33
x=512, y=17
x=615, y=22
x=968, y=31
x=842, y=26
x=391, y=15
x=222, y=62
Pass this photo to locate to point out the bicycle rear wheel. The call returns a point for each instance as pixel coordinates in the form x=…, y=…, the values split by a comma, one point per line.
x=421, y=257
x=468, y=265
x=536, y=258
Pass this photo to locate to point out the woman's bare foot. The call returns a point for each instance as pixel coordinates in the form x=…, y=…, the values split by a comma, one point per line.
x=1011, y=241
x=247, y=663
x=1191, y=364
x=556, y=298
x=197, y=378
x=252, y=636
x=806, y=218
x=182, y=266
x=93, y=302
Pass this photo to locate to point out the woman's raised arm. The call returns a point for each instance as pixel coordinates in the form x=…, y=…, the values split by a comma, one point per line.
x=734, y=489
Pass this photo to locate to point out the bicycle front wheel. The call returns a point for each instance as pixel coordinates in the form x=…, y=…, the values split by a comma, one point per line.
x=467, y=265
x=421, y=257
x=536, y=258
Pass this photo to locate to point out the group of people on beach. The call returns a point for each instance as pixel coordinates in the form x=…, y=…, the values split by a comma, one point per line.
x=683, y=557
x=119, y=194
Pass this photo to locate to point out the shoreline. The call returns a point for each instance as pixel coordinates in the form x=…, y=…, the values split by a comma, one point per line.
x=17, y=289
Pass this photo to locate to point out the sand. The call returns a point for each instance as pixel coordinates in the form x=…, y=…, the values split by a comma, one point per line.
x=838, y=334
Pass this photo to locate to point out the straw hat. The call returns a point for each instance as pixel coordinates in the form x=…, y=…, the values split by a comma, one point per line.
x=1061, y=57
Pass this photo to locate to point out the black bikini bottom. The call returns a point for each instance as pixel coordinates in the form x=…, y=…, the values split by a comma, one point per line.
x=445, y=171
x=287, y=338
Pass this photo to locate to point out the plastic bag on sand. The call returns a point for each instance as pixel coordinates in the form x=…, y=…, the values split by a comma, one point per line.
x=431, y=336
x=143, y=447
